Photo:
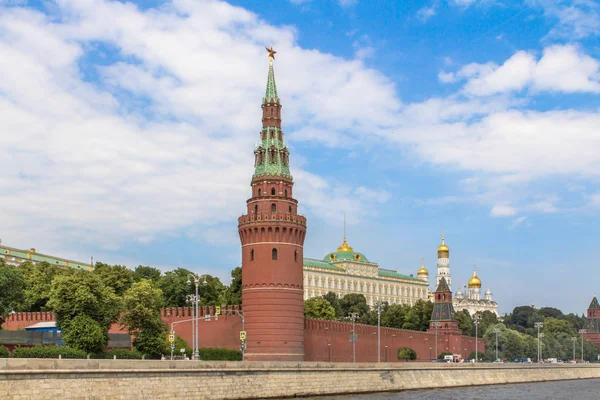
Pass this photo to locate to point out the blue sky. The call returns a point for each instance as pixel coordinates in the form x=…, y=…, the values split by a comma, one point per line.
x=127, y=133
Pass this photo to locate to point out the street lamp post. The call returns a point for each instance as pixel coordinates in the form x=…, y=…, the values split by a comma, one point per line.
x=353, y=316
x=436, y=325
x=476, y=319
x=496, y=331
x=196, y=279
x=379, y=332
x=573, y=339
x=538, y=325
x=581, y=332
x=541, y=341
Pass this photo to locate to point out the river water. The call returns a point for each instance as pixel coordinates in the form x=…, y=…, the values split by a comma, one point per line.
x=584, y=389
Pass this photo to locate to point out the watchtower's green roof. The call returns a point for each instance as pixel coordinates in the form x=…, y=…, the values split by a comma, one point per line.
x=443, y=286
x=271, y=92
x=594, y=304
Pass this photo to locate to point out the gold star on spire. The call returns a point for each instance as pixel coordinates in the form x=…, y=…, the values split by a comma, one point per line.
x=271, y=53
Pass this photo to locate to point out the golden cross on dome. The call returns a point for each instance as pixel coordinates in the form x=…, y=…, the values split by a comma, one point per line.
x=271, y=53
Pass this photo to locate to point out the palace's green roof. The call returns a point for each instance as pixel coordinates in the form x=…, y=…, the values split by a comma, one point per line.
x=393, y=274
x=346, y=256
x=310, y=262
x=33, y=256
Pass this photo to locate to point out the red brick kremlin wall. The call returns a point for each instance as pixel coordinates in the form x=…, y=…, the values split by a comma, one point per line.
x=323, y=340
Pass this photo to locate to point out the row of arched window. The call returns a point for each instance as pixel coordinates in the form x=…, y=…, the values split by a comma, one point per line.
x=364, y=287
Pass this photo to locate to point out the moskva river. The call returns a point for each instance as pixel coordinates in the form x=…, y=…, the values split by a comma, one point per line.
x=584, y=389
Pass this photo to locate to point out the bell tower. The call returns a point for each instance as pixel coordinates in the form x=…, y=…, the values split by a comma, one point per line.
x=272, y=235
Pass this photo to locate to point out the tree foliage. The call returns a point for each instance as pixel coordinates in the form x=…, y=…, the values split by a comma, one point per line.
x=86, y=334
x=146, y=272
x=82, y=293
x=142, y=304
x=12, y=289
x=354, y=302
x=318, y=307
x=406, y=353
x=116, y=277
x=234, y=291
x=334, y=300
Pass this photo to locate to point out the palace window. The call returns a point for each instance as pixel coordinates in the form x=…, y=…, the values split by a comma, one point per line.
x=274, y=254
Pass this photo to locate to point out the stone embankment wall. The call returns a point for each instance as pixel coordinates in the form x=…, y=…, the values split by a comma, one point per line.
x=126, y=379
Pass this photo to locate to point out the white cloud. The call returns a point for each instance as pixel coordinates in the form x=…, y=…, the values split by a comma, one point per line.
x=162, y=142
x=577, y=19
x=518, y=221
x=562, y=68
x=426, y=12
x=347, y=3
x=503, y=211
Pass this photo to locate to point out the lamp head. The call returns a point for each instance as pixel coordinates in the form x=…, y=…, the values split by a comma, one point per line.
x=189, y=283
x=204, y=283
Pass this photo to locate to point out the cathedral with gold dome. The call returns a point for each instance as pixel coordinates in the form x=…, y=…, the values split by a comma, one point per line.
x=471, y=299
x=347, y=271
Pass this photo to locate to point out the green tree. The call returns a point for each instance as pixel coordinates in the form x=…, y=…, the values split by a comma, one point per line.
x=213, y=293
x=116, y=277
x=85, y=334
x=486, y=319
x=234, y=291
x=354, y=302
x=520, y=316
x=38, y=278
x=318, y=307
x=406, y=353
x=465, y=323
x=334, y=300
x=418, y=316
x=82, y=293
x=395, y=316
x=174, y=287
x=12, y=290
x=146, y=272
x=142, y=305
x=514, y=345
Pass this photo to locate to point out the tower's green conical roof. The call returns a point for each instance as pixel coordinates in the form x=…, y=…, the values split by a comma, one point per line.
x=271, y=92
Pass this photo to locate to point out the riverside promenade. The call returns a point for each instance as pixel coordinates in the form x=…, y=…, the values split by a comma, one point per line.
x=138, y=379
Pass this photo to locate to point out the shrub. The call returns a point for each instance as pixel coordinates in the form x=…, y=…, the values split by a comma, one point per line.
x=122, y=354
x=4, y=353
x=213, y=354
x=85, y=334
x=47, y=352
x=406, y=353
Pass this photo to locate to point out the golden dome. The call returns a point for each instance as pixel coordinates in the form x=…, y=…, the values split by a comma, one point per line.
x=345, y=247
x=443, y=250
x=422, y=271
x=474, y=282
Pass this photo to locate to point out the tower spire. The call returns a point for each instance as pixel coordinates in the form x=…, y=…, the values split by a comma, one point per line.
x=271, y=92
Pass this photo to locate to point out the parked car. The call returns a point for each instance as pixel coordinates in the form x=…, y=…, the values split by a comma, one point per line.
x=523, y=360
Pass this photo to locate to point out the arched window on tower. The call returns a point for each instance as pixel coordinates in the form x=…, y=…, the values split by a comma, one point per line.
x=290, y=209
x=259, y=191
x=255, y=209
x=251, y=254
x=273, y=207
x=272, y=191
x=285, y=192
x=274, y=254
x=296, y=256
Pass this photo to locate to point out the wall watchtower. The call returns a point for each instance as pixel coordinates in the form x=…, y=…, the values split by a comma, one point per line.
x=272, y=236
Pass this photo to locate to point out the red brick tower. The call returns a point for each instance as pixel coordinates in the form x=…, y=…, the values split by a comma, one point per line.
x=272, y=235
x=443, y=312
